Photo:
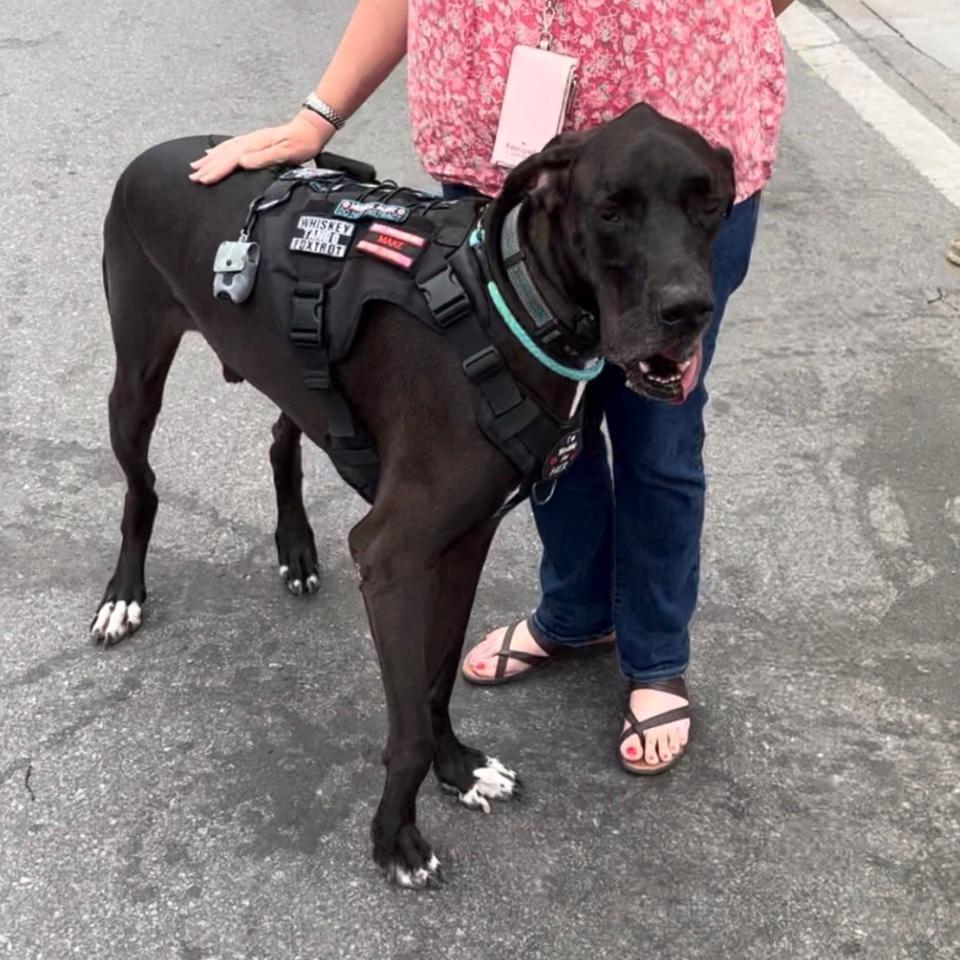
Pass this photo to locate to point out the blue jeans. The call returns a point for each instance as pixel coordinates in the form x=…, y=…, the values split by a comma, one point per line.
x=622, y=552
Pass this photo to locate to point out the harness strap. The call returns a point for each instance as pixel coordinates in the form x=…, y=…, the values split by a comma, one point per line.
x=351, y=451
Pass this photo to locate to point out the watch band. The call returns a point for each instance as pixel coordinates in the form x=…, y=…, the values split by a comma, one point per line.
x=323, y=109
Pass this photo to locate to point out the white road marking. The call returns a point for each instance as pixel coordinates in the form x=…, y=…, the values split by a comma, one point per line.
x=915, y=137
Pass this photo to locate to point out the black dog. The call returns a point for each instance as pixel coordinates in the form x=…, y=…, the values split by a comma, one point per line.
x=621, y=220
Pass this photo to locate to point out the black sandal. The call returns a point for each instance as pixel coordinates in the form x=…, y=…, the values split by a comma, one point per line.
x=678, y=688
x=534, y=661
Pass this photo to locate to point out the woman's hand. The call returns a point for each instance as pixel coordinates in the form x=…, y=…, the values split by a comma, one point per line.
x=299, y=140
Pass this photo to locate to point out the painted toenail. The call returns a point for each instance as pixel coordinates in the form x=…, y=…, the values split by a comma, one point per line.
x=631, y=751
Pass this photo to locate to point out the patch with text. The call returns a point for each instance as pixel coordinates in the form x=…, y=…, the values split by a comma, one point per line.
x=562, y=455
x=323, y=236
x=399, y=247
x=371, y=210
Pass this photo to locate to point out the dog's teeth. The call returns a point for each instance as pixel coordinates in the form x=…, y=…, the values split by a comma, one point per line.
x=644, y=367
x=685, y=364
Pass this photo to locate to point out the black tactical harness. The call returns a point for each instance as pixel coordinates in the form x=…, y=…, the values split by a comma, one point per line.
x=329, y=245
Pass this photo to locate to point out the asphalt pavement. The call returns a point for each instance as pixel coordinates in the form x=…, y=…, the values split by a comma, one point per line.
x=204, y=790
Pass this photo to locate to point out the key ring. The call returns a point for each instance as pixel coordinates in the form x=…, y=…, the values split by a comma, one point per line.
x=546, y=23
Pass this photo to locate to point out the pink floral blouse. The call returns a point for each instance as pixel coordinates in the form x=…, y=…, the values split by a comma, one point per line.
x=716, y=65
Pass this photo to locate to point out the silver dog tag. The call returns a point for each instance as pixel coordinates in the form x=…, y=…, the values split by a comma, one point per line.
x=235, y=270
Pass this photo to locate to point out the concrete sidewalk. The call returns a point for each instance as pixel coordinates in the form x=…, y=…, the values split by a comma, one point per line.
x=932, y=26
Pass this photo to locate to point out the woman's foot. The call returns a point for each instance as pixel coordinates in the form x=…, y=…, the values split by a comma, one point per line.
x=662, y=745
x=507, y=653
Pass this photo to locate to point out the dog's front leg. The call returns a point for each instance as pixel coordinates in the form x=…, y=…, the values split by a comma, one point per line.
x=474, y=776
x=399, y=587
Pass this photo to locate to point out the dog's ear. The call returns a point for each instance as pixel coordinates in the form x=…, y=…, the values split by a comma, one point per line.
x=539, y=172
x=727, y=176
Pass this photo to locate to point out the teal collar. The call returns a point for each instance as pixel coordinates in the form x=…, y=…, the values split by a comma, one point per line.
x=579, y=374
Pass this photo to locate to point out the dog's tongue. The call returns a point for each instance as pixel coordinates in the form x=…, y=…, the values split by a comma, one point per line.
x=691, y=375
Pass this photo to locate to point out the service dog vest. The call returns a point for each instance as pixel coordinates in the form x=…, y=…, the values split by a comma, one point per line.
x=326, y=245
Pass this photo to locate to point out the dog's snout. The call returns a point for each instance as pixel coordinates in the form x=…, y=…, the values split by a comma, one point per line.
x=685, y=305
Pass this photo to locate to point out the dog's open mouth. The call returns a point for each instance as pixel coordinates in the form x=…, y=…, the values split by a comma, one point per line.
x=663, y=377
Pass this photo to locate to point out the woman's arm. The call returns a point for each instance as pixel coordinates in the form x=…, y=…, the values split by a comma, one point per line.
x=374, y=42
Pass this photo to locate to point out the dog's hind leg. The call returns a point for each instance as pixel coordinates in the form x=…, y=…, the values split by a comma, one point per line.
x=475, y=777
x=296, y=547
x=147, y=324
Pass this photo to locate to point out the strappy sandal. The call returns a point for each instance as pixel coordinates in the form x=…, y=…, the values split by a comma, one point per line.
x=534, y=661
x=678, y=688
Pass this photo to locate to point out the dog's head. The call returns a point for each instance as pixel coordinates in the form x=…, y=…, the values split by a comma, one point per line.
x=631, y=209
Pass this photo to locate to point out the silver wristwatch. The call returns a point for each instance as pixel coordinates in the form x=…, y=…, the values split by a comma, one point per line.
x=323, y=109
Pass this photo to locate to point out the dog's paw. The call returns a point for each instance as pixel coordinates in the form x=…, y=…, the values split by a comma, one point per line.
x=115, y=620
x=492, y=781
x=297, y=558
x=408, y=862
x=418, y=878
x=298, y=581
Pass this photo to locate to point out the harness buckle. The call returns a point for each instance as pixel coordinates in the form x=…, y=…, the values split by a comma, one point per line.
x=445, y=297
x=483, y=364
x=306, y=323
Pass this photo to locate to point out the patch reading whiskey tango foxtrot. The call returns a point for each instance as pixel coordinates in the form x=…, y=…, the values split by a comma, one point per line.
x=399, y=247
x=323, y=236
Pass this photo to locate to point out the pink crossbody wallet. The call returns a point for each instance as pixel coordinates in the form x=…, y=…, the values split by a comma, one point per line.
x=538, y=90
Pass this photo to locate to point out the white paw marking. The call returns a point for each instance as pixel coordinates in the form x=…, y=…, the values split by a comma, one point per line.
x=493, y=781
x=115, y=620
x=118, y=620
x=100, y=624
x=284, y=570
x=416, y=879
x=134, y=615
x=313, y=581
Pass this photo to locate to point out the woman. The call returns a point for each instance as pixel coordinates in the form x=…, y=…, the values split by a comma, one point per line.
x=620, y=555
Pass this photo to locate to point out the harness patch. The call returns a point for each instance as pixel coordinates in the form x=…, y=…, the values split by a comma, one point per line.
x=562, y=455
x=399, y=247
x=323, y=236
x=371, y=209
x=309, y=174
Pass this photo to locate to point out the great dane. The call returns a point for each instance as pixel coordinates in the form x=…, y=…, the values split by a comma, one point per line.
x=621, y=219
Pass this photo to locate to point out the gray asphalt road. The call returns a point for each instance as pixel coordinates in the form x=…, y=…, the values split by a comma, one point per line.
x=204, y=790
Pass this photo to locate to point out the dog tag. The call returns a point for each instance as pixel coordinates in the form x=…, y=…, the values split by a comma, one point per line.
x=235, y=270
x=562, y=455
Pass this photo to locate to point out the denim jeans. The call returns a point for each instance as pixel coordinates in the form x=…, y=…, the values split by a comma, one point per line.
x=621, y=548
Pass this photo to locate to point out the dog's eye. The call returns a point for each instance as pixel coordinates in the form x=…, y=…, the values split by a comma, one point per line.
x=713, y=206
x=610, y=214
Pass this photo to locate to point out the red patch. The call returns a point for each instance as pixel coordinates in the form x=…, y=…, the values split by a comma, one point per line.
x=399, y=247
